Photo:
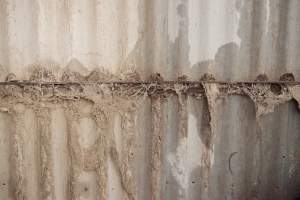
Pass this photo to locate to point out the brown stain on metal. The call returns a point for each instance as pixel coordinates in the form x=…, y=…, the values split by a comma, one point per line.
x=208, y=134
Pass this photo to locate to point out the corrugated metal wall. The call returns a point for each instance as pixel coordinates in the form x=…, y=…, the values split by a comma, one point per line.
x=165, y=150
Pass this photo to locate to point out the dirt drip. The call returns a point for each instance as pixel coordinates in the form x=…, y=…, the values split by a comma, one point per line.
x=108, y=100
x=209, y=118
x=295, y=92
x=267, y=97
x=156, y=146
x=19, y=180
x=89, y=159
x=124, y=158
x=45, y=137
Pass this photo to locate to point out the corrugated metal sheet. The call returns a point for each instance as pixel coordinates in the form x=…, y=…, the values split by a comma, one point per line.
x=155, y=150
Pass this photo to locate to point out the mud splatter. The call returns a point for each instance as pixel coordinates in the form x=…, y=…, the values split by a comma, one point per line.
x=266, y=98
x=102, y=116
x=209, y=121
x=295, y=92
x=106, y=101
x=40, y=73
x=211, y=94
x=125, y=158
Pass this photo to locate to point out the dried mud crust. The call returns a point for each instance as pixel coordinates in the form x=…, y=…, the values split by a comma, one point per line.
x=109, y=96
x=265, y=96
x=44, y=86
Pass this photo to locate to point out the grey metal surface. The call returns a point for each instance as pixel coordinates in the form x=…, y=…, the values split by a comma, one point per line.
x=252, y=158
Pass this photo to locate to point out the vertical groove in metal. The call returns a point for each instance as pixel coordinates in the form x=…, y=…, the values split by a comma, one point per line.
x=156, y=148
x=46, y=143
x=18, y=174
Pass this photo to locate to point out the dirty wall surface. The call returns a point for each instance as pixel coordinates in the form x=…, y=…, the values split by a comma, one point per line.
x=149, y=141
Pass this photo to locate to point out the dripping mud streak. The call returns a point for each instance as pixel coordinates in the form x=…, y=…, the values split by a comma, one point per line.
x=140, y=88
x=107, y=97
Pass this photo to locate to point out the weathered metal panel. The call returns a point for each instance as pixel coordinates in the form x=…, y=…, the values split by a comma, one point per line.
x=180, y=147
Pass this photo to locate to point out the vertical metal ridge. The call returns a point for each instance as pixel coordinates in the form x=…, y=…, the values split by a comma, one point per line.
x=19, y=179
x=128, y=153
x=45, y=138
x=156, y=147
x=74, y=150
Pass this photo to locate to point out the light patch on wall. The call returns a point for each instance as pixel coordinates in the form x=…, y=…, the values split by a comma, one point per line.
x=268, y=12
x=87, y=132
x=60, y=153
x=187, y=156
x=86, y=187
x=31, y=151
x=114, y=181
x=4, y=155
x=194, y=144
x=178, y=162
x=212, y=24
x=173, y=20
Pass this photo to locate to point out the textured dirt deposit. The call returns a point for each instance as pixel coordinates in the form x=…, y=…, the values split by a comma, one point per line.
x=100, y=99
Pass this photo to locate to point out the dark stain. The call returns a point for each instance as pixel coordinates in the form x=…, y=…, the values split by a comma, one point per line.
x=229, y=161
x=178, y=55
x=276, y=89
x=207, y=77
x=287, y=77
x=262, y=77
x=206, y=130
x=182, y=10
x=201, y=112
x=226, y=58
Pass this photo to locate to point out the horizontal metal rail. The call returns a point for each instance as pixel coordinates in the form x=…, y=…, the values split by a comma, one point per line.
x=144, y=82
